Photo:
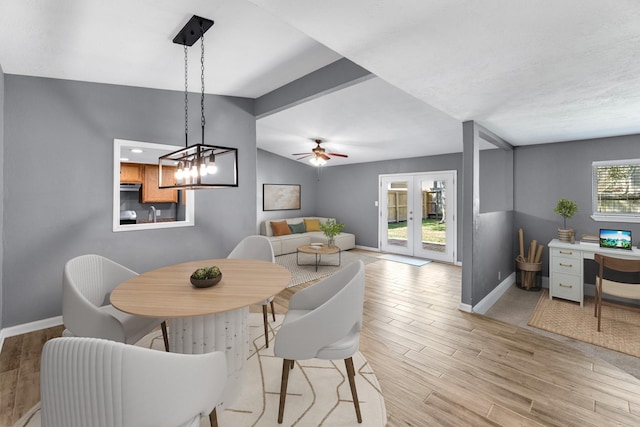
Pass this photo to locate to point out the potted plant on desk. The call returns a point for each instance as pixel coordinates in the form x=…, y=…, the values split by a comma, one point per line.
x=331, y=229
x=566, y=209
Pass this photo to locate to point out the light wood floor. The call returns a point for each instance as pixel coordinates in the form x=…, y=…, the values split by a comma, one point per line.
x=436, y=365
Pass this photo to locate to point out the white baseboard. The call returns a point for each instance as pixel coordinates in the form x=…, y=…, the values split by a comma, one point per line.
x=367, y=248
x=465, y=307
x=487, y=302
x=24, y=328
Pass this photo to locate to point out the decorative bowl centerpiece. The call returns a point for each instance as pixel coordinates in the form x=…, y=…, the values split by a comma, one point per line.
x=206, y=277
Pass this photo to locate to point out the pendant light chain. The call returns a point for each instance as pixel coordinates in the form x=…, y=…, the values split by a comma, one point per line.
x=202, y=122
x=186, y=99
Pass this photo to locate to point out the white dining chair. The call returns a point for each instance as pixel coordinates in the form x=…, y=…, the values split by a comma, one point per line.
x=323, y=322
x=95, y=382
x=257, y=247
x=87, y=282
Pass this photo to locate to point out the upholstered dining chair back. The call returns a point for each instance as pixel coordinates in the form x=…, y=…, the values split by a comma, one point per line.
x=87, y=282
x=254, y=247
x=257, y=247
x=629, y=289
x=94, y=382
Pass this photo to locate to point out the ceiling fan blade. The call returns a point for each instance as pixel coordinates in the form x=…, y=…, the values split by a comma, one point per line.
x=337, y=154
x=301, y=154
x=303, y=157
x=324, y=156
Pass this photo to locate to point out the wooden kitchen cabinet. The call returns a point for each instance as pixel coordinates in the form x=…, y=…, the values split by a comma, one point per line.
x=151, y=193
x=131, y=172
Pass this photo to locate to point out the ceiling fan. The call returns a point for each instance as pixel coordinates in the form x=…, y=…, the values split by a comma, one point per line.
x=318, y=155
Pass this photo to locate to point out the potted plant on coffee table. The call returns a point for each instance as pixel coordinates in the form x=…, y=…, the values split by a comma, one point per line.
x=331, y=229
x=566, y=209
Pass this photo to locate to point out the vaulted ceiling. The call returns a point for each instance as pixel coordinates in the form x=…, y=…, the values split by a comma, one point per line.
x=531, y=72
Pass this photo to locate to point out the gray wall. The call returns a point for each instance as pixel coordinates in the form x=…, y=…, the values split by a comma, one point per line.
x=274, y=169
x=545, y=173
x=496, y=180
x=64, y=131
x=348, y=192
x=492, y=260
x=1, y=189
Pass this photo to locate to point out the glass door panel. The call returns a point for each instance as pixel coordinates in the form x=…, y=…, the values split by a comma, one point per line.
x=396, y=215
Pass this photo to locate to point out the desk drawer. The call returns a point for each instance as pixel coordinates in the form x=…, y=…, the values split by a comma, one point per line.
x=565, y=253
x=566, y=265
x=565, y=286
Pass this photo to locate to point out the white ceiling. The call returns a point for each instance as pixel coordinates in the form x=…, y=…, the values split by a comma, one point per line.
x=531, y=72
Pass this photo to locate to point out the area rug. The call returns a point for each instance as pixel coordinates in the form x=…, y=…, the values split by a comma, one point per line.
x=619, y=330
x=318, y=391
x=418, y=262
x=306, y=273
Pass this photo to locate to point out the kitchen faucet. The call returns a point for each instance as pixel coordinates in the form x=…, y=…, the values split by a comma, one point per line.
x=152, y=213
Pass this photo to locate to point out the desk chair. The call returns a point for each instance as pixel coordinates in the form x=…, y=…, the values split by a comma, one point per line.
x=87, y=282
x=96, y=382
x=324, y=322
x=604, y=286
x=257, y=247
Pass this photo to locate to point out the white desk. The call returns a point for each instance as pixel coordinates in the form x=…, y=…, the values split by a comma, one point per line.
x=566, y=267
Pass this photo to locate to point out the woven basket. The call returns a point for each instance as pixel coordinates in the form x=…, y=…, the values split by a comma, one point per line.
x=528, y=275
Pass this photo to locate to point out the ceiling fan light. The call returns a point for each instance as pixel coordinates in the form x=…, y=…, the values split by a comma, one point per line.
x=317, y=161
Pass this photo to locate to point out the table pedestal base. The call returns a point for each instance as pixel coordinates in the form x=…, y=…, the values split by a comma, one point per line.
x=228, y=332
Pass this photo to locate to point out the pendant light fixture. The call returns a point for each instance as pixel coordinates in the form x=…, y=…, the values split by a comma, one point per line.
x=200, y=165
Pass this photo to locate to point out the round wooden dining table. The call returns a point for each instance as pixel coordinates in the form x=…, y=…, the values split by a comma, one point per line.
x=203, y=320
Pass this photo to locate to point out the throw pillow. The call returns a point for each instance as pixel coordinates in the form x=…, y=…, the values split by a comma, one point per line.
x=298, y=228
x=280, y=228
x=312, y=224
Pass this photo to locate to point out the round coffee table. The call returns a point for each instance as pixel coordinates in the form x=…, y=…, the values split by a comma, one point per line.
x=318, y=249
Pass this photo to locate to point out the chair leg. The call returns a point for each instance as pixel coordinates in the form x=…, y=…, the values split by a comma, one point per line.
x=351, y=373
x=266, y=325
x=599, y=303
x=273, y=311
x=165, y=335
x=283, y=387
x=213, y=418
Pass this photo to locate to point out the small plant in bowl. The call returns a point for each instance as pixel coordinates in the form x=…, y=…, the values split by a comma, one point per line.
x=205, y=277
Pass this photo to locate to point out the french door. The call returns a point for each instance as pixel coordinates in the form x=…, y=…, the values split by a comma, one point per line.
x=417, y=215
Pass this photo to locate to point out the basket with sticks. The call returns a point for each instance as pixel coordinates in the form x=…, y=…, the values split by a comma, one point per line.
x=529, y=267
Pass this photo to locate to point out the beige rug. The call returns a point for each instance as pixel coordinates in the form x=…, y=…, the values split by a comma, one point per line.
x=619, y=330
x=318, y=391
x=306, y=273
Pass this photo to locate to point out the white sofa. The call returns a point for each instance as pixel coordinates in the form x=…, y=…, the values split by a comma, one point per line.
x=289, y=243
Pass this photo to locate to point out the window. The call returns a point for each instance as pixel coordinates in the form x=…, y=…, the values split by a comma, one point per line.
x=616, y=190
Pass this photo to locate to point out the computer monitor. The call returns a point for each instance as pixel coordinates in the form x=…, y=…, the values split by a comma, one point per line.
x=615, y=239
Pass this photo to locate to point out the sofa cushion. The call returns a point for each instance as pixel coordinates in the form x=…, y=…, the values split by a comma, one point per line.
x=280, y=228
x=312, y=224
x=298, y=228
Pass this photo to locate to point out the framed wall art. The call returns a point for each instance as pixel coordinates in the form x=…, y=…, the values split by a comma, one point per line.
x=280, y=197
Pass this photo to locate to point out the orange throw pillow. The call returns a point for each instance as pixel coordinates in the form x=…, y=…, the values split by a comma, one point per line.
x=280, y=228
x=312, y=224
